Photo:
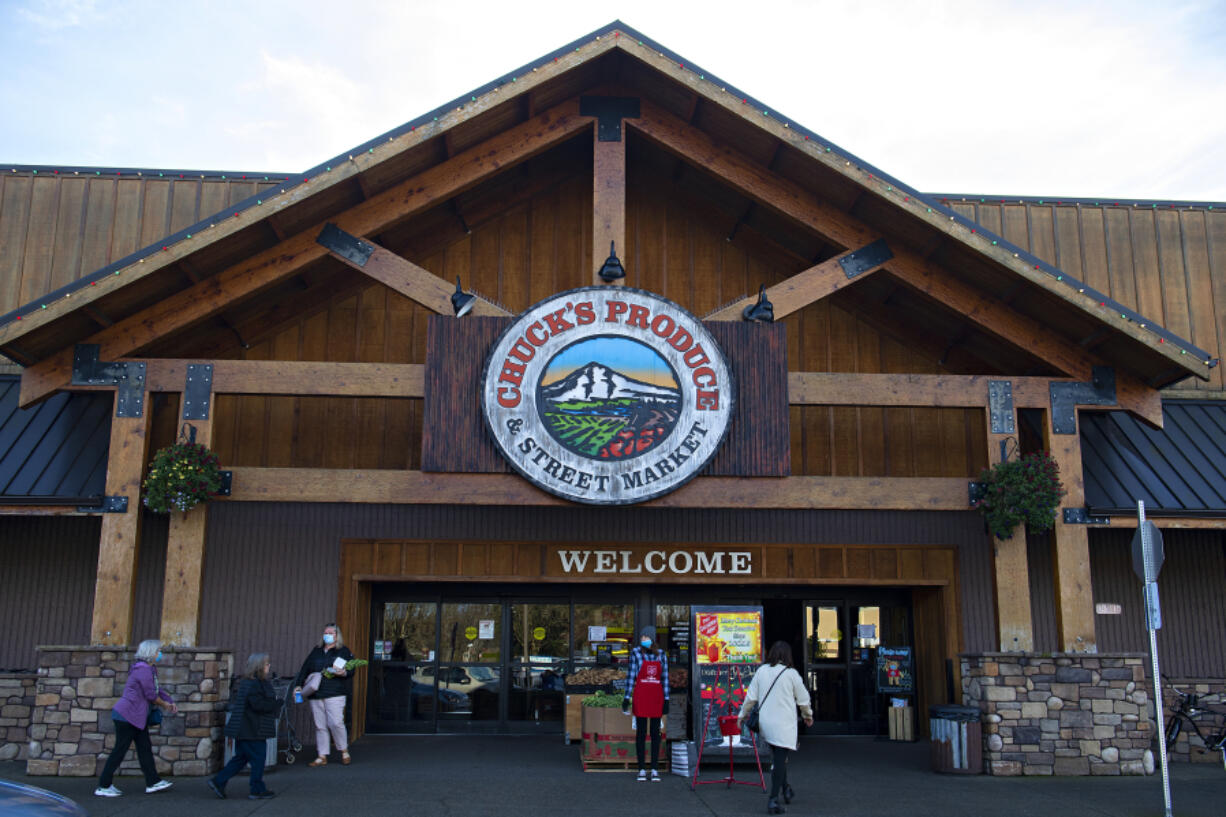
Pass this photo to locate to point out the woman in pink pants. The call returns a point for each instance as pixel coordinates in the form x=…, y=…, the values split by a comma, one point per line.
x=328, y=701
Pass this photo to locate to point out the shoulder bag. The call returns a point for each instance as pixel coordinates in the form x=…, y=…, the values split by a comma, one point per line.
x=753, y=721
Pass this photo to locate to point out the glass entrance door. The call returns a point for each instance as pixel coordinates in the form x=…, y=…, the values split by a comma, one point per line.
x=841, y=641
x=826, y=653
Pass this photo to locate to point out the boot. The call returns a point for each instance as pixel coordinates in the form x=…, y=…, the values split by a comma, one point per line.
x=773, y=807
x=788, y=793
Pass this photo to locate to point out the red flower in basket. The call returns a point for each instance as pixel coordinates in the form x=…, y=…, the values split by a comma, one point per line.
x=621, y=752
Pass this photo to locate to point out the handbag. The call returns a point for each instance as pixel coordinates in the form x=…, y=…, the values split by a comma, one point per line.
x=155, y=714
x=753, y=721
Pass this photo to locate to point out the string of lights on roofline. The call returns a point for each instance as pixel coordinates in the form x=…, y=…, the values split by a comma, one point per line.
x=885, y=184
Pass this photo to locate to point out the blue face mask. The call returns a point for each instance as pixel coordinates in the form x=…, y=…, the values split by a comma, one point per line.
x=159, y=658
x=646, y=642
x=329, y=638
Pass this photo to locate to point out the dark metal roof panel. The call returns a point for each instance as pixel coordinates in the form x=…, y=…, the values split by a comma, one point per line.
x=1179, y=470
x=54, y=450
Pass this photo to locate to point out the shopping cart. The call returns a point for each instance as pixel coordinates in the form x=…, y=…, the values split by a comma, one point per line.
x=286, y=736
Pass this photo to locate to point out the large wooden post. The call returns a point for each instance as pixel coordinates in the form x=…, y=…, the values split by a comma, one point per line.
x=1071, y=550
x=119, y=543
x=185, y=561
x=1012, y=570
x=608, y=200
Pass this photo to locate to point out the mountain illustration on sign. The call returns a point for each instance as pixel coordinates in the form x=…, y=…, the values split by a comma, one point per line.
x=601, y=413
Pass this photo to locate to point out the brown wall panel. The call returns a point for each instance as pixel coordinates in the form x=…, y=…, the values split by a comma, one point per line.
x=271, y=570
x=1190, y=588
x=49, y=563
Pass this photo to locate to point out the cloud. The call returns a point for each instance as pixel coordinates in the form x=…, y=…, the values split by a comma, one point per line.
x=54, y=15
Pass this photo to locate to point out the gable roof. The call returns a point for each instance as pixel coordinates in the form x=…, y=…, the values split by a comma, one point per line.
x=531, y=111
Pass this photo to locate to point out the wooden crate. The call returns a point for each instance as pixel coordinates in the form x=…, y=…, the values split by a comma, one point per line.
x=573, y=725
x=902, y=723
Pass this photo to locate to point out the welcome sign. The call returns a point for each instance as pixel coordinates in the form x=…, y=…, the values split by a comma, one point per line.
x=607, y=395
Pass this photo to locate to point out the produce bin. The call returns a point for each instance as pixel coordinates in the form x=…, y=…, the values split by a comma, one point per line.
x=957, y=739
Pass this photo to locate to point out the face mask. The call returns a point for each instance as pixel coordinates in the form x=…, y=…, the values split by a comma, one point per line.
x=646, y=642
x=329, y=638
x=159, y=658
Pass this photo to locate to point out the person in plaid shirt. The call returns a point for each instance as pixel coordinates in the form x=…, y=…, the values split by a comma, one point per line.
x=647, y=697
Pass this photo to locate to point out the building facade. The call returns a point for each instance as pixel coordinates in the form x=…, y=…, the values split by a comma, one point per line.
x=337, y=338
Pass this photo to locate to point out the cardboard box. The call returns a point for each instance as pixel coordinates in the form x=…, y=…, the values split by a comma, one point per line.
x=902, y=723
x=606, y=720
x=617, y=747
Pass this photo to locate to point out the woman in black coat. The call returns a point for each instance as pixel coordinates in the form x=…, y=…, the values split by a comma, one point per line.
x=252, y=721
x=328, y=702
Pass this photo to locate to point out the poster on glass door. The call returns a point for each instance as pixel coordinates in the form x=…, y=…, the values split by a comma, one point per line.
x=728, y=650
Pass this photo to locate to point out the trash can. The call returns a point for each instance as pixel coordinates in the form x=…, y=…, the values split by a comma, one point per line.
x=957, y=739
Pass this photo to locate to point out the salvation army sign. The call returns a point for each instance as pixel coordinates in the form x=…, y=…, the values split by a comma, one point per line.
x=607, y=395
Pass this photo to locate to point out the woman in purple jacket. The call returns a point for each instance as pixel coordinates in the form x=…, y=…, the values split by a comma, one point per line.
x=131, y=716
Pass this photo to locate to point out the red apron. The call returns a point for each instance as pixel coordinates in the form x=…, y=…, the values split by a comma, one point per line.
x=649, y=691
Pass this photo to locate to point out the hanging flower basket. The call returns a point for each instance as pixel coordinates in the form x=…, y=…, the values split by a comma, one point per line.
x=1025, y=490
x=181, y=476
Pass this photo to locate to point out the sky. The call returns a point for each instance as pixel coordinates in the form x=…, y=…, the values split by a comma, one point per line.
x=1073, y=99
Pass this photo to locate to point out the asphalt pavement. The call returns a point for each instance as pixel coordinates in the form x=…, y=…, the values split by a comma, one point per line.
x=506, y=776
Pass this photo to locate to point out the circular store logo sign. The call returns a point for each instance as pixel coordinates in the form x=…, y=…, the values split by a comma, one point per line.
x=607, y=395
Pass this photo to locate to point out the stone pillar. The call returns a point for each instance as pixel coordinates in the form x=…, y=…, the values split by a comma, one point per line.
x=1062, y=714
x=16, y=705
x=71, y=732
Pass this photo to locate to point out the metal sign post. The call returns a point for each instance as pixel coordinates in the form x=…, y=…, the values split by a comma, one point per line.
x=1147, y=558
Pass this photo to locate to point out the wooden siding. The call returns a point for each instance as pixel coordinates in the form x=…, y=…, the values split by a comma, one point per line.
x=1167, y=264
x=530, y=252
x=56, y=228
x=1190, y=587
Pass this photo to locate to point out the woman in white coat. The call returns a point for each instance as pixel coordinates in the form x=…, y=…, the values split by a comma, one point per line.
x=781, y=694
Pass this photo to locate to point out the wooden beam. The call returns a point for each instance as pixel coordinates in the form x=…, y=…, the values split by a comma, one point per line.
x=931, y=390
x=249, y=277
x=119, y=542
x=1174, y=523
x=416, y=487
x=412, y=281
x=1011, y=569
x=608, y=201
x=184, y=578
x=1071, y=550
x=791, y=200
x=797, y=292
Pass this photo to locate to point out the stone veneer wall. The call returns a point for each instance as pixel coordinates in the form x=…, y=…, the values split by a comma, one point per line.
x=1062, y=714
x=71, y=731
x=16, y=705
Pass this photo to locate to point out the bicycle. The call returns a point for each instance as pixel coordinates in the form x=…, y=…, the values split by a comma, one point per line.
x=1189, y=709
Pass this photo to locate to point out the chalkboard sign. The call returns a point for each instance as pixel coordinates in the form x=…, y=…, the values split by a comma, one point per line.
x=727, y=651
x=895, y=671
x=604, y=653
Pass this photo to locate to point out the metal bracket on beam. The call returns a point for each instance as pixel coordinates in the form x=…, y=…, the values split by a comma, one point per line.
x=1081, y=516
x=109, y=504
x=128, y=376
x=609, y=112
x=347, y=246
x=866, y=258
x=196, y=391
x=227, y=481
x=1065, y=397
x=976, y=491
x=1000, y=406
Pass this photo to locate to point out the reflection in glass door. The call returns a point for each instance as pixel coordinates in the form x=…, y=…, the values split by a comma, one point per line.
x=470, y=663
x=399, y=695
x=540, y=648
x=826, y=666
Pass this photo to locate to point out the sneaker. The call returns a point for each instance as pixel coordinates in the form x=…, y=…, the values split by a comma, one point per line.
x=264, y=795
x=655, y=776
x=109, y=791
x=217, y=790
x=642, y=778
x=161, y=785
